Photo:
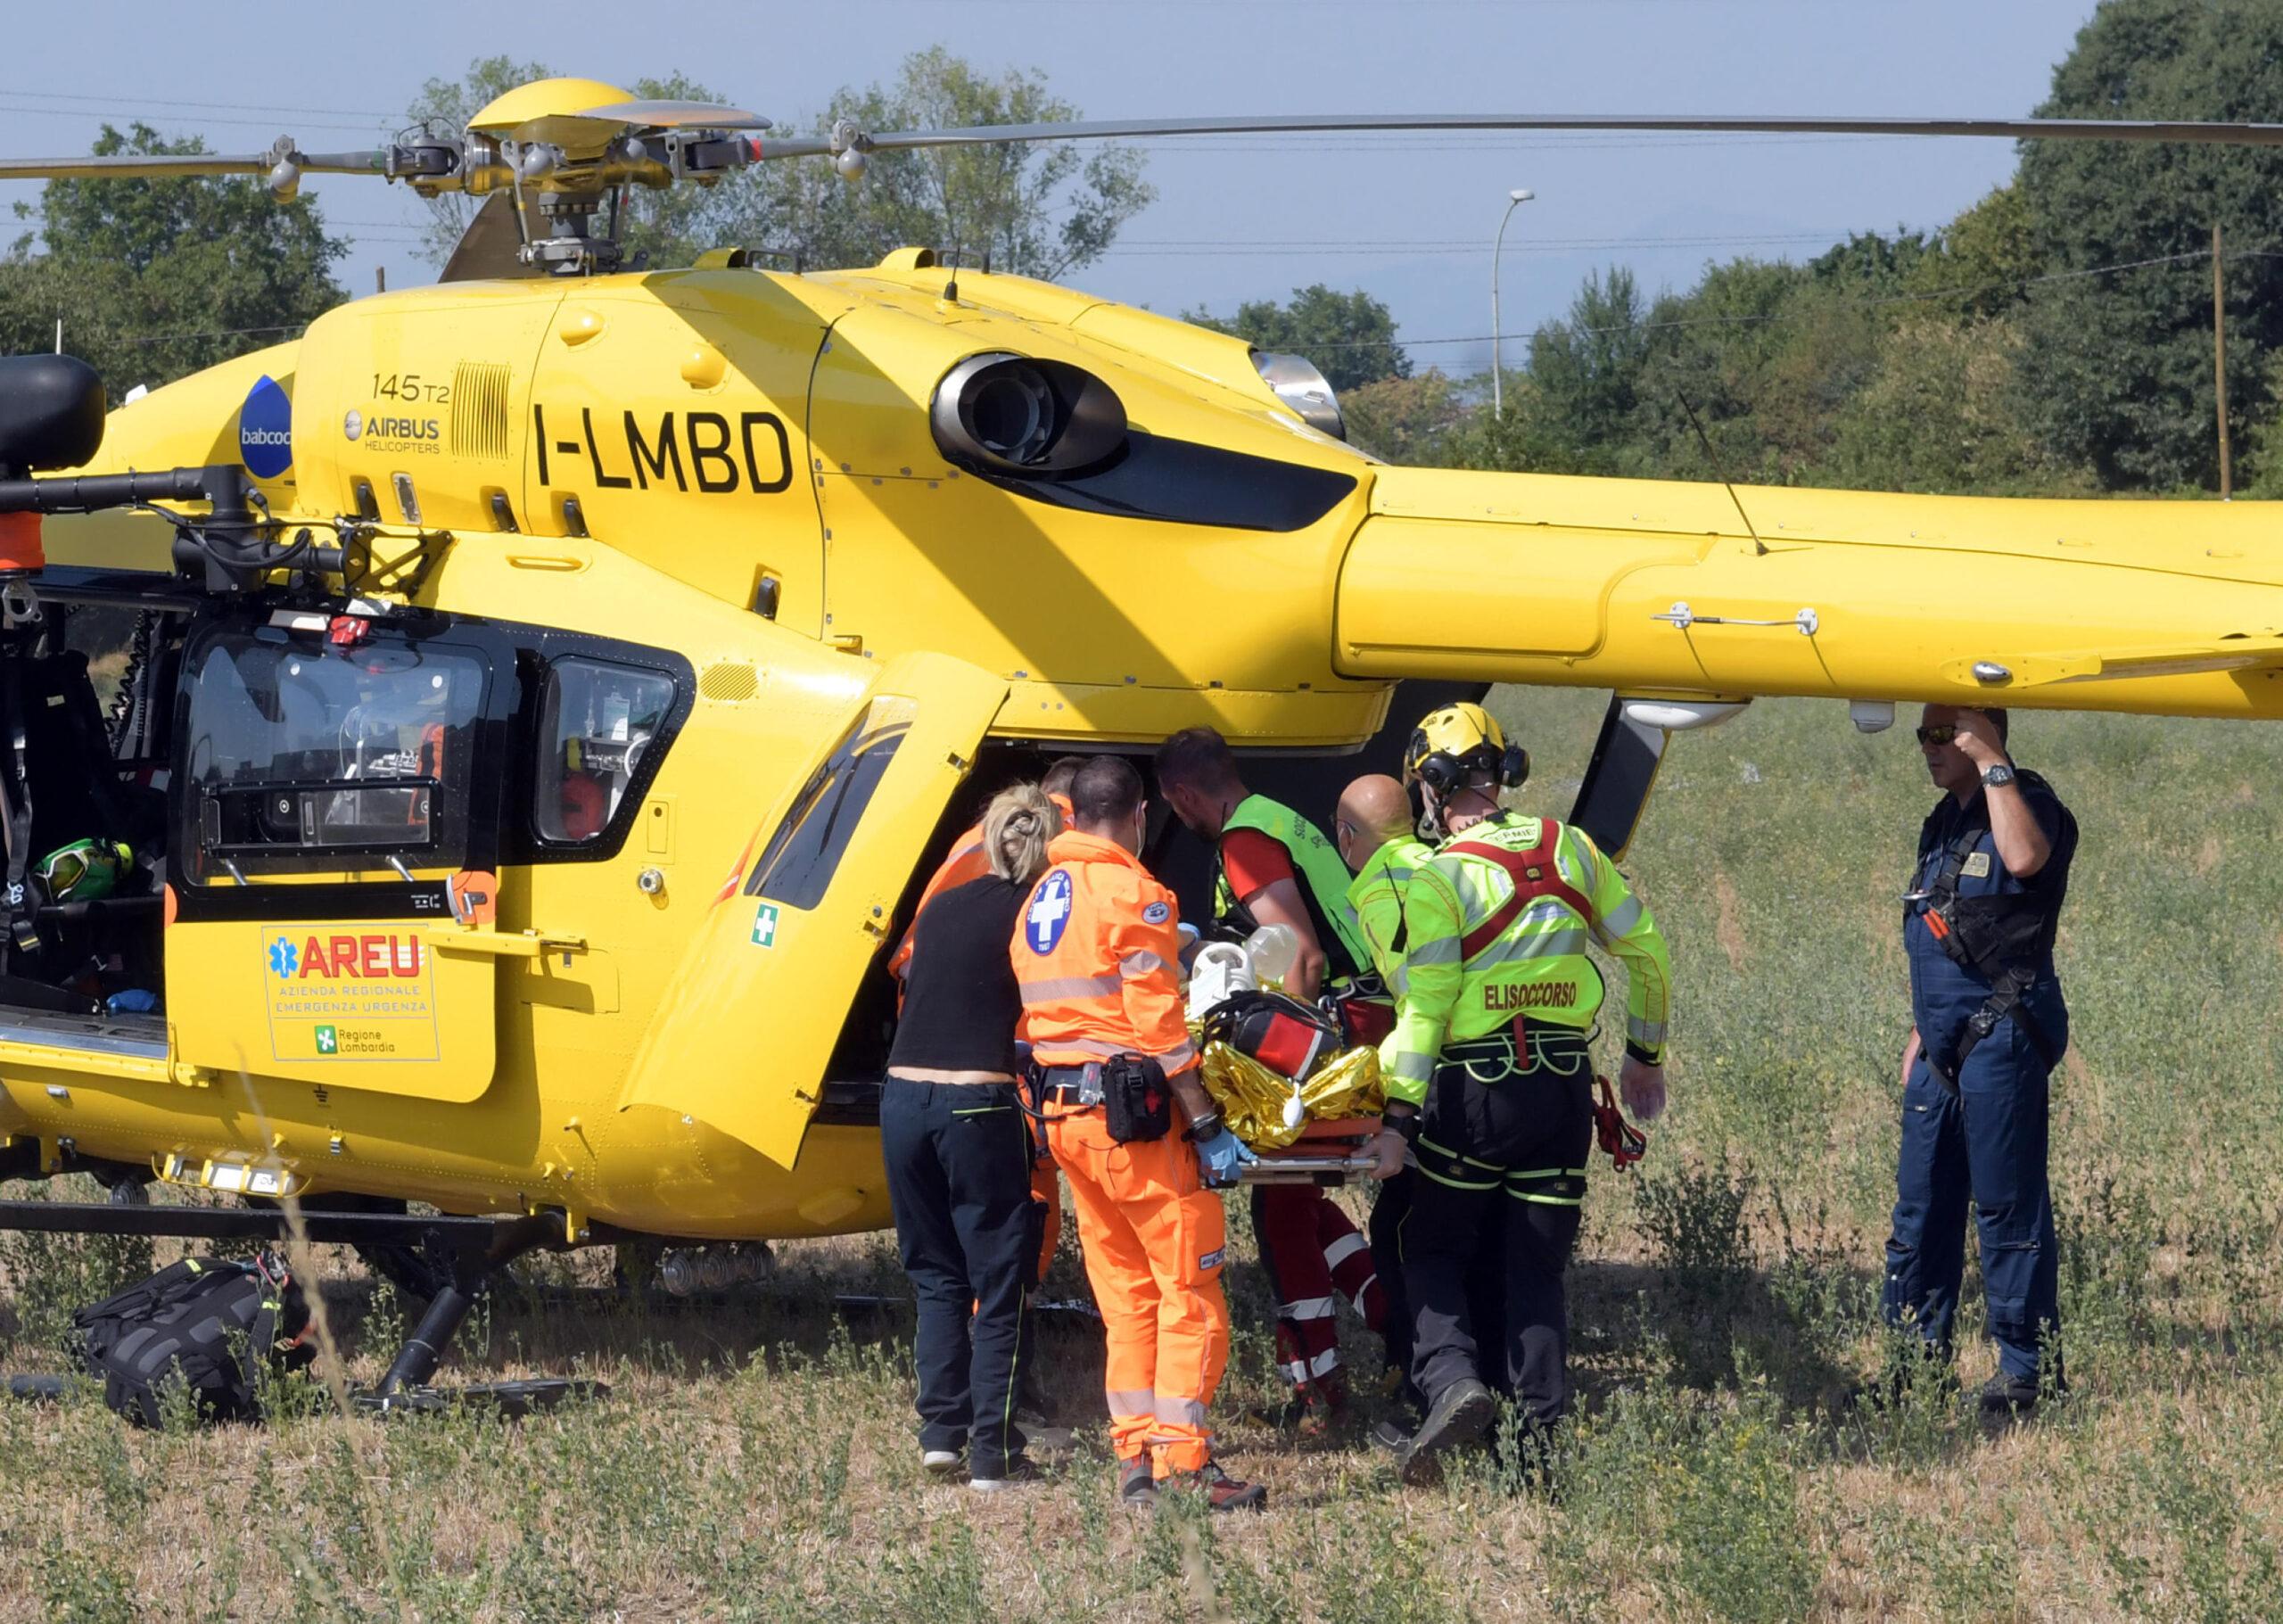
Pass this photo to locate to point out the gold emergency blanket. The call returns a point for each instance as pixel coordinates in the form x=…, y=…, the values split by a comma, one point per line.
x=1252, y=1097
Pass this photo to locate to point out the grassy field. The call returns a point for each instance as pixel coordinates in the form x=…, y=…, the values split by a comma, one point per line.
x=759, y=1463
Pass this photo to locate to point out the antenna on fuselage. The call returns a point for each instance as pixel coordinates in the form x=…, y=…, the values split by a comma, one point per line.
x=1760, y=547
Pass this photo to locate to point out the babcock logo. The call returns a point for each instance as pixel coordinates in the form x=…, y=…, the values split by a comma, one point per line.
x=266, y=429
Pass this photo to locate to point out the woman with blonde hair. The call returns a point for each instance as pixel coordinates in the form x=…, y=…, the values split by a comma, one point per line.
x=958, y=1149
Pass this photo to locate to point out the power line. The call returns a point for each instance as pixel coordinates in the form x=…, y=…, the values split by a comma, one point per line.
x=322, y=112
x=115, y=118
x=164, y=338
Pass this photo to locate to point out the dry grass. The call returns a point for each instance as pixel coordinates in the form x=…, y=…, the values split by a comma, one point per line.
x=757, y=1461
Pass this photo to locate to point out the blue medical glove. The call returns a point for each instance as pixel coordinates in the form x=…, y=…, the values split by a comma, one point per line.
x=1221, y=1157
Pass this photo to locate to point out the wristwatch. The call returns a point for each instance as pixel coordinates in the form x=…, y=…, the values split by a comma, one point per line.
x=1997, y=777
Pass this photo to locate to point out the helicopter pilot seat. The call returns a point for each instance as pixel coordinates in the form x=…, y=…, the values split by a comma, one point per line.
x=60, y=784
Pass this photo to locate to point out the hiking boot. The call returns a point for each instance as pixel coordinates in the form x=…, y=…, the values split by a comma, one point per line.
x=1461, y=1414
x=939, y=1463
x=1222, y=1492
x=1391, y=1436
x=1137, y=1490
x=1020, y=1469
x=2008, y=1395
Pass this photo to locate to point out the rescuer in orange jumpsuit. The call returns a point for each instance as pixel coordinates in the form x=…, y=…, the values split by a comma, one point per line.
x=969, y=860
x=1096, y=954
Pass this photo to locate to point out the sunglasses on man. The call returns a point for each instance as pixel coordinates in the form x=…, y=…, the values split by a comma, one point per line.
x=1942, y=733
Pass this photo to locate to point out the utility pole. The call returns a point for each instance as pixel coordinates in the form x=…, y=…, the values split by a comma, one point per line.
x=2219, y=361
x=380, y=279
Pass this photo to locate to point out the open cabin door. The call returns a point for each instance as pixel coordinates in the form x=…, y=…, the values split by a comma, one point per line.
x=337, y=804
x=742, y=1038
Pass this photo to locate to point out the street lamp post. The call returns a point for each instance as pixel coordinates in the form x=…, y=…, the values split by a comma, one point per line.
x=1514, y=199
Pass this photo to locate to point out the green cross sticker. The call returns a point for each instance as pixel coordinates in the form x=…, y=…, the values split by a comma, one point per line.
x=764, y=926
x=328, y=1041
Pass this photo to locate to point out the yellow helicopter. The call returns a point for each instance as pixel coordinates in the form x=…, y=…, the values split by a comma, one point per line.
x=548, y=688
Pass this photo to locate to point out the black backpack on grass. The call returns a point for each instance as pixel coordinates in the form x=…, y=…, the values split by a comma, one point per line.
x=207, y=1324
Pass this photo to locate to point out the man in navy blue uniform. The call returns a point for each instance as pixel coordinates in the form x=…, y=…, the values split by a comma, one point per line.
x=1988, y=1027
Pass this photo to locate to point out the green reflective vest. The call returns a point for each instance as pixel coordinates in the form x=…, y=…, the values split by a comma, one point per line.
x=1323, y=875
x=1467, y=976
x=1377, y=897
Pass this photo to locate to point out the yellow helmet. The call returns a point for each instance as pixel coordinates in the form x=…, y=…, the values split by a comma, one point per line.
x=1453, y=745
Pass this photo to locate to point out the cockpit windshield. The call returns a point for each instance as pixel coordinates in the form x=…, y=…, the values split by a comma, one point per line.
x=304, y=756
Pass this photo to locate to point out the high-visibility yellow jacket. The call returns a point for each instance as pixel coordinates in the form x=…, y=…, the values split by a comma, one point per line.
x=1376, y=896
x=1476, y=957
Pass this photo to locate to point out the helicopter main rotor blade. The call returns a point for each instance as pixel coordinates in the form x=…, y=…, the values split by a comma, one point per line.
x=190, y=166
x=1096, y=129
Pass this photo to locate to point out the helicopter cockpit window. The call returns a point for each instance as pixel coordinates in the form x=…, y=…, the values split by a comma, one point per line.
x=598, y=720
x=306, y=757
x=797, y=866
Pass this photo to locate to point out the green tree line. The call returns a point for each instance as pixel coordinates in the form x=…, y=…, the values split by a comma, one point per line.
x=2054, y=338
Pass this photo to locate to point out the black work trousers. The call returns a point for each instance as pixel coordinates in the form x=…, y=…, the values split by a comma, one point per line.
x=959, y=1166
x=1485, y=1286
x=1502, y=1161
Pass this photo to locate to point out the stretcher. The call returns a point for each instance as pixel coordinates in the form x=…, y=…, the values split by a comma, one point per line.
x=1328, y=1153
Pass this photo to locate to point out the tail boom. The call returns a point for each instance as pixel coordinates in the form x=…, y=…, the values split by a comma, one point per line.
x=1648, y=586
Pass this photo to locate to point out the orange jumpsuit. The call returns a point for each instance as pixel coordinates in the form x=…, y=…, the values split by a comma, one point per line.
x=1096, y=952
x=969, y=860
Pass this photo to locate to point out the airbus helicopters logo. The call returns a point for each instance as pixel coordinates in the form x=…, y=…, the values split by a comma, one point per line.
x=266, y=429
x=423, y=436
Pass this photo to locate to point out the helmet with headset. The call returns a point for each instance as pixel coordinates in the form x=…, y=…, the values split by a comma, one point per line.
x=1453, y=746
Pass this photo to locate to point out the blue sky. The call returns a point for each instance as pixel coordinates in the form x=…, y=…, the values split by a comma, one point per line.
x=1408, y=218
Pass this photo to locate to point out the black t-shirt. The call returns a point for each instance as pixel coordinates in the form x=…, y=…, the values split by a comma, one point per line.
x=960, y=1002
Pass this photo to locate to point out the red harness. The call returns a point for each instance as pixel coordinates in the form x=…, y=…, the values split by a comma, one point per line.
x=1534, y=874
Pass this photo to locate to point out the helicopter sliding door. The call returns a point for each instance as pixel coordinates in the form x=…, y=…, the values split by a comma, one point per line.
x=338, y=801
x=741, y=1039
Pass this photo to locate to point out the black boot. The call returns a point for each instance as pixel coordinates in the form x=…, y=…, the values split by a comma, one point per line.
x=1461, y=1414
x=2005, y=1394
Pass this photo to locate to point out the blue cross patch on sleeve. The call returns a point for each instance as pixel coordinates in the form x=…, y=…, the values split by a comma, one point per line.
x=1155, y=913
x=1049, y=912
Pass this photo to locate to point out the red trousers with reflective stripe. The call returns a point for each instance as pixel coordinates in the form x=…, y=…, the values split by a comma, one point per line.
x=1313, y=1254
x=1153, y=1237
